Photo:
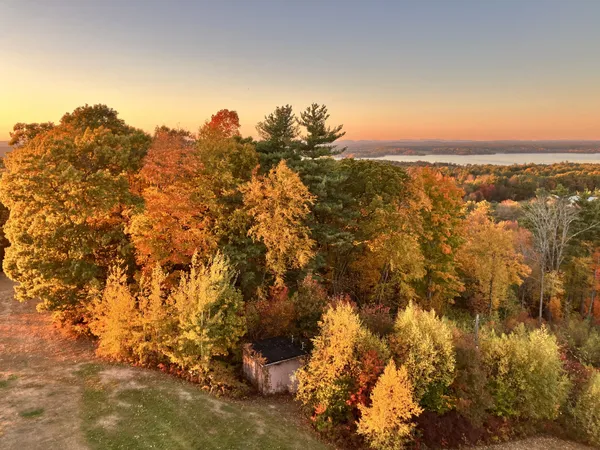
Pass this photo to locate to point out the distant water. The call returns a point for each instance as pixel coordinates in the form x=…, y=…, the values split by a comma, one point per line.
x=499, y=159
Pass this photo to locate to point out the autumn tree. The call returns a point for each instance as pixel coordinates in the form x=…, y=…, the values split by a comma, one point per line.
x=22, y=133
x=386, y=424
x=422, y=342
x=209, y=314
x=386, y=260
x=440, y=237
x=278, y=203
x=175, y=221
x=526, y=374
x=156, y=319
x=68, y=191
x=190, y=192
x=225, y=124
x=115, y=317
x=319, y=137
x=331, y=378
x=489, y=258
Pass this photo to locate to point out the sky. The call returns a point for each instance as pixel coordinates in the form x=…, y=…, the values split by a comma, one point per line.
x=447, y=69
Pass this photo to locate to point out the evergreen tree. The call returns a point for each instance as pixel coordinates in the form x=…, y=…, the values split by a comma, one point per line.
x=319, y=137
x=279, y=133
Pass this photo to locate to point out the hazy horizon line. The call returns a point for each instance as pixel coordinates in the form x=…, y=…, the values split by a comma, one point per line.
x=452, y=140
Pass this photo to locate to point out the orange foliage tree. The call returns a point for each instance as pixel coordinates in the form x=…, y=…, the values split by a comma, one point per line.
x=440, y=237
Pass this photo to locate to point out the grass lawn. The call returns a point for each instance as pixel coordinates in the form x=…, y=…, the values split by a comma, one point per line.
x=126, y=408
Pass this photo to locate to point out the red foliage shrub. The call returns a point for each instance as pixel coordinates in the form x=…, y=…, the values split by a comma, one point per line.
x=371, y=366
x=271, y=317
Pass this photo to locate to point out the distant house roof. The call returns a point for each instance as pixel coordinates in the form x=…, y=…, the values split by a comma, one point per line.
x=278, y=349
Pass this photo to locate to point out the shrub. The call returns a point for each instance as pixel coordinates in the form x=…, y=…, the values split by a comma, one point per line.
x=526, y=375
x=583, y=340
x=470, y=387
x=271, y=317
x=377, y=319
x=209, y=316
x=339, y=374
x=423, y=343
x=115, y=318
x=156, y=318
x=371, y=355
x=586, y=412
x=386, y=424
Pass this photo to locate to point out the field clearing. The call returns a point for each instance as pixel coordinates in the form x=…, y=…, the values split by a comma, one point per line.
x=54, y=394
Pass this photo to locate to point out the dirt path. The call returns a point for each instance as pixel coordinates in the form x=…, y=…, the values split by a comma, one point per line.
x=39, y=394
x=46, y=403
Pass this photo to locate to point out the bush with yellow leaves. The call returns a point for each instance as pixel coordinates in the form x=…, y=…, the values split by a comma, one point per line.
x=526, y=374
x=423, y=343
x=386, y=424
x=333, y=374
x=209, y=315
x=115, y=318
x=586, y=412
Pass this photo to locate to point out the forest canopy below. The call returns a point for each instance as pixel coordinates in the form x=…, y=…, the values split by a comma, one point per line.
x=175, y=249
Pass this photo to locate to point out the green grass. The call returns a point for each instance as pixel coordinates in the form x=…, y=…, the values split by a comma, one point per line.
x=162, y=412
x=6, y=383
x=32, y=413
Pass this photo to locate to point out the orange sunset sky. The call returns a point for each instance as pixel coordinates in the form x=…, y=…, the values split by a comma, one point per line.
x=386, y=70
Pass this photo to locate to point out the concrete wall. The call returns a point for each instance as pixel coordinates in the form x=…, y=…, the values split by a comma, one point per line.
x=273, y=379
x=254, y=371
x=281, y=376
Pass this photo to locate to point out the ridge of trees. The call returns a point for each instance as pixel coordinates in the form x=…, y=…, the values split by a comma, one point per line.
x=173, y=249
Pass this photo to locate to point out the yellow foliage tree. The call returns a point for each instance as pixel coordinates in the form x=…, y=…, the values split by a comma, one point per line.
x=526, y=373
x=333, y=352
x=587, y=410
x=208, y=310
x=386, y=424
x=278, y=205
x=327, y=381
x=156, y=316
x=422, y=342
x=115, y=318
x=489, y=258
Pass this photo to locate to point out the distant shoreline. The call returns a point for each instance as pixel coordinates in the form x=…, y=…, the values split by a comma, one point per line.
x=499, y=159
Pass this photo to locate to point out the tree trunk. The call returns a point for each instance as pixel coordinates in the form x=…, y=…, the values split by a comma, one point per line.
x=490, y=294
x=593, y=297
x=541, y=296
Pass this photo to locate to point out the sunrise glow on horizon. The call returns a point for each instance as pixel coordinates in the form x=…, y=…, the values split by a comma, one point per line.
x=478, y=70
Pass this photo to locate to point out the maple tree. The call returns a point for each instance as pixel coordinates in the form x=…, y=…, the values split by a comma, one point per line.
x=175, y=221
x=68, y=191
